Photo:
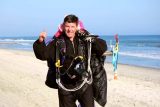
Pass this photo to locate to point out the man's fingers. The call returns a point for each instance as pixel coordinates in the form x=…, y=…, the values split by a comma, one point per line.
x=42, y=36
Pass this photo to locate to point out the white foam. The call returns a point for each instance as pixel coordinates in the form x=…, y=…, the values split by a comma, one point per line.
x=16, y=40
x=149, y=55
x=25, y=44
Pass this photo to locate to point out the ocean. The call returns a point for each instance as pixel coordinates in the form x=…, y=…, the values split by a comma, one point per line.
x=139, y=50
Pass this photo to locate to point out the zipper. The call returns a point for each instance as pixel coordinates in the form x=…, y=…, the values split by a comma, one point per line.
x=73, y=47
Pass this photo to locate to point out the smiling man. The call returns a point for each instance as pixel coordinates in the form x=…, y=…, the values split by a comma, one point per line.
x=67, y=55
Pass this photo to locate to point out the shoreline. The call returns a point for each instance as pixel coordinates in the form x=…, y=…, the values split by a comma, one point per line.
x=23, y=76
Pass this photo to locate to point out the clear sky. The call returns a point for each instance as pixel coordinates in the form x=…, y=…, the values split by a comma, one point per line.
x=103, y=17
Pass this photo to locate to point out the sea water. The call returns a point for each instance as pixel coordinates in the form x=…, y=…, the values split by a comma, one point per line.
x=20, y=43
x=139, y=50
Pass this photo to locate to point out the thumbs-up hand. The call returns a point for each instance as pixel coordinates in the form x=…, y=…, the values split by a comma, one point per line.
x=42, y=36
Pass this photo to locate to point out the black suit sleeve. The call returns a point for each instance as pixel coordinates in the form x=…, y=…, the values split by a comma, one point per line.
x=99, y=46
x=40, y=50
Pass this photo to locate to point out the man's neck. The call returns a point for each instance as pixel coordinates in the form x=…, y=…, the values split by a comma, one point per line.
x=71, y=39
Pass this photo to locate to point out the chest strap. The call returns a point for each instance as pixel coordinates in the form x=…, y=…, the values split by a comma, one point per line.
x=59, y=64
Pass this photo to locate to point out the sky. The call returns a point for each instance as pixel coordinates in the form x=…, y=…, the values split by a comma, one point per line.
x=102, y=17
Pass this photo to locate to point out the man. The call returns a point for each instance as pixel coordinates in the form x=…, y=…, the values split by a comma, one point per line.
x=73, y=63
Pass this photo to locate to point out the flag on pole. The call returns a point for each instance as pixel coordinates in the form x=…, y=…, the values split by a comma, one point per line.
x=115, y=56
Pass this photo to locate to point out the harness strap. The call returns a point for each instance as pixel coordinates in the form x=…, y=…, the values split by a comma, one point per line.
x=89, y=41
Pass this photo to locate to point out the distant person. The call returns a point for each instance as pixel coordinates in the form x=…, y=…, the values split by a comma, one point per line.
x=67, y=56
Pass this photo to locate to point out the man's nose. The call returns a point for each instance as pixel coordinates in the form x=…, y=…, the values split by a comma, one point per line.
x=69, y=28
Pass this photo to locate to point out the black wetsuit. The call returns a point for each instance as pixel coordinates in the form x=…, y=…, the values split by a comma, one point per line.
x=67, y=98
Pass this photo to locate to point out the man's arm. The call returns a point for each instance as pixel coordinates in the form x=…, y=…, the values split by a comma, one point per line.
x=40, y=48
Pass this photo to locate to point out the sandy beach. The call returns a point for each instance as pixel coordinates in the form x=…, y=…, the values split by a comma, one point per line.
x=22, y=79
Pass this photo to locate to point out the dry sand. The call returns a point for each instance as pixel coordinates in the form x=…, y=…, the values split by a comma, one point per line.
x=22, y=79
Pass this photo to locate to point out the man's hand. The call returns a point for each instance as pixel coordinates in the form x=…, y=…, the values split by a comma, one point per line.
x=42, y=36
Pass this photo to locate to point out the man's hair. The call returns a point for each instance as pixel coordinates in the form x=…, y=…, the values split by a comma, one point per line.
x=71, y=19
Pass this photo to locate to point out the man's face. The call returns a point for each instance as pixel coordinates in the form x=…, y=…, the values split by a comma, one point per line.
x=70, y=29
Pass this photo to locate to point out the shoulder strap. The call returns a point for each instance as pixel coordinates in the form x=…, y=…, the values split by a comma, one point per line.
x=60, y=49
